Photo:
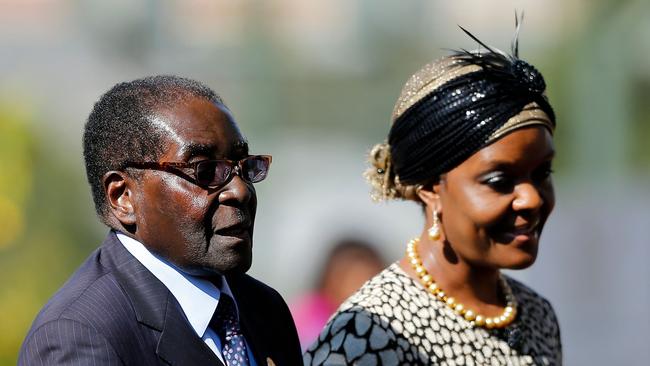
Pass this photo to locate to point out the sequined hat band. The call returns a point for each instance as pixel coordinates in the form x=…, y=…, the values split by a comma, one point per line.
x=452, y=108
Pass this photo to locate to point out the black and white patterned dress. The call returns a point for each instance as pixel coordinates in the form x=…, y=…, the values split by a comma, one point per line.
x=393, y=320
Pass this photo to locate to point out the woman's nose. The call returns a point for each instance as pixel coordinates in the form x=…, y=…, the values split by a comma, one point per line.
x=528, y=197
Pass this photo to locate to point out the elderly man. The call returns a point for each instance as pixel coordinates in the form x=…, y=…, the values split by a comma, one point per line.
x=172, y=176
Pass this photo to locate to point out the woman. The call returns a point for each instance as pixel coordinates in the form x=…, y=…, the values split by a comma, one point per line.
x=471, y=141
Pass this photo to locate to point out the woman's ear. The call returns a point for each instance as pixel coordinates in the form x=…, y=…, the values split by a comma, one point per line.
x=430, y=197
x=119, y=195
x=427, y=196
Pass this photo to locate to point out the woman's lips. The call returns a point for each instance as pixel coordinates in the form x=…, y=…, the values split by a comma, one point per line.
x=525, y=233
x=521, y=233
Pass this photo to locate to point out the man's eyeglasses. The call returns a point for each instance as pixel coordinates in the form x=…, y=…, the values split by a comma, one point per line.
x=215, y=173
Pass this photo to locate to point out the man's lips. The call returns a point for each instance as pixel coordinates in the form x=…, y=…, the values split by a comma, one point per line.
x=234, y=230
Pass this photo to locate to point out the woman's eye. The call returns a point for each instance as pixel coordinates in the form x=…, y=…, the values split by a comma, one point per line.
x=499, y=182
x=543, y=173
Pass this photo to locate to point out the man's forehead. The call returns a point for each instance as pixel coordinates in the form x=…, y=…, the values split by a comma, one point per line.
x=232, y=148
x=199, y=136
x=162, y=126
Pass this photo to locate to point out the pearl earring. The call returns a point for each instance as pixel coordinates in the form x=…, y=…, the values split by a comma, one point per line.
x=434, y=230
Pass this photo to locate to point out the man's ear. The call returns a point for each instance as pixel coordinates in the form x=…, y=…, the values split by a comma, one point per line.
x=118, y=188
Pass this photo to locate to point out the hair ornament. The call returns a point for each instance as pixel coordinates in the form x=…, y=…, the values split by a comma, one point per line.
x=381, y=177
x=506, y=67
x=379, y=174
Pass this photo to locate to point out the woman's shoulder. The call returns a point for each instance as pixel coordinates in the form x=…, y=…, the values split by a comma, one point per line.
x=378, y=290
x=538, y=318
x=361, y=330
x=526, y=296
x=354, y=335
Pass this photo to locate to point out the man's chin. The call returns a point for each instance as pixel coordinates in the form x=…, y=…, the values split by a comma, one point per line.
x=234, y=253
x=235, y=262
x=221, y=263
x=237, y=268
x=220, y=269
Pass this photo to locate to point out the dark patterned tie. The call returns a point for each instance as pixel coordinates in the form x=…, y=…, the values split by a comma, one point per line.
x=226, y=325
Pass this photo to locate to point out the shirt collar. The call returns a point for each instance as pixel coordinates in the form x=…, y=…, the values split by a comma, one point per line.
x=197, y=296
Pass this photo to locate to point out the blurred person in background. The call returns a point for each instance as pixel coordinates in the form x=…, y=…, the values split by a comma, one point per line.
x=172, y=177
x=472, y=143
x=349, y=264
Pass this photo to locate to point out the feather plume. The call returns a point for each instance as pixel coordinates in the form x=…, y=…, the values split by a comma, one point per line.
x=515, y=41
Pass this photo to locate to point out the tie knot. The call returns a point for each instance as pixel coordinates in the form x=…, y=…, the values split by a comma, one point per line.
x=225, y=321
x=226, y=305
x=226, y=324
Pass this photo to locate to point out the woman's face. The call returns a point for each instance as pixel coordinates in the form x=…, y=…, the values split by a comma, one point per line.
x=493, y=206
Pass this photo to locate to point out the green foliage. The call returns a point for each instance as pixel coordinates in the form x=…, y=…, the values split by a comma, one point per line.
x=45, y=231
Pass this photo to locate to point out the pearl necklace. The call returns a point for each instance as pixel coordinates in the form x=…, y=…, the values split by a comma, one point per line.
x=501, y=321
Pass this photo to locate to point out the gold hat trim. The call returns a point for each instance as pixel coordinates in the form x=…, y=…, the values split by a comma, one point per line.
x=530, y=115
x=429, y=78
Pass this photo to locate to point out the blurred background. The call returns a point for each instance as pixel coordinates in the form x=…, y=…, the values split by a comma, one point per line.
x=313, y=83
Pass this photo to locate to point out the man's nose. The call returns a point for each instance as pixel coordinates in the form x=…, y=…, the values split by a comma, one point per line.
x=237, y=190
x=528, y=197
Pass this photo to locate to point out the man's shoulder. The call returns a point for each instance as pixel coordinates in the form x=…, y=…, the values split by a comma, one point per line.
x=251, y=286
x=90, y=312
x=268, y=316
x=92, y=296
x=254, y=295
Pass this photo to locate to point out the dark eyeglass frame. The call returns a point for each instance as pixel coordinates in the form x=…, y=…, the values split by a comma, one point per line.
x=236, y=167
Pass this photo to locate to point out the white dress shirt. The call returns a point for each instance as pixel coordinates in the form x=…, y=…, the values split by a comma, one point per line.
x=198, y=297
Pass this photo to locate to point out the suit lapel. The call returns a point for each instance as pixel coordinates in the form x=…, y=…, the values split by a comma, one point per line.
x=157, y=308
x=254, y=338
x=179, y=344
x=250, y=321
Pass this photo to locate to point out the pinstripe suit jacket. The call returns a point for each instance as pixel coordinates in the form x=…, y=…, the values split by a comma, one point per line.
x=113, y=311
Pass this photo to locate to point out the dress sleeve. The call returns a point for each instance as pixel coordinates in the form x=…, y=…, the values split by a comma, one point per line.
x=354, y=337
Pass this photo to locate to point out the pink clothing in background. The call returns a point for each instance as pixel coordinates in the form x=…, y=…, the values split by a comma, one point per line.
x=311, y=312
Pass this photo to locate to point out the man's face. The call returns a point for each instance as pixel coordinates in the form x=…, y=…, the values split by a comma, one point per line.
x=197, y=228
